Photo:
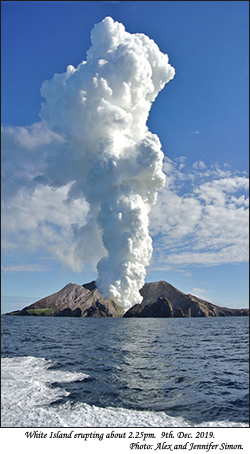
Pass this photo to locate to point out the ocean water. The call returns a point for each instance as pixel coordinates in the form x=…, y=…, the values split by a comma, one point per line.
x=128, y=372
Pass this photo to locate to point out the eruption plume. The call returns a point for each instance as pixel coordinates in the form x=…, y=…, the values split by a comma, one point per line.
x=101, y=108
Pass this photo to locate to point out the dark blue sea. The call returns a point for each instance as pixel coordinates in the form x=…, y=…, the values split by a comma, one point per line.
x=128, y=372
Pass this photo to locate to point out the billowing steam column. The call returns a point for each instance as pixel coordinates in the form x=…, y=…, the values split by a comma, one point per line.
x=101, y=107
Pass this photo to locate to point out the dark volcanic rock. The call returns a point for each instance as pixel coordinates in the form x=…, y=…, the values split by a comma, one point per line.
x=101, y=310
x=178, y=312
x=67, y=312
x=160, y=308
x=90, y=286
x=134, y=311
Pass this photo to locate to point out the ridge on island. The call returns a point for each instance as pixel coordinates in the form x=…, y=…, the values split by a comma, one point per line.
x=160, y=299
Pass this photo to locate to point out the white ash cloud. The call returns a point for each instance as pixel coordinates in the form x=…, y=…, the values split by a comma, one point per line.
x=100, y=109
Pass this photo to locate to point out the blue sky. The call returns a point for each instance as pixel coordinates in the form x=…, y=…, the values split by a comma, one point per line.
x=200, y=223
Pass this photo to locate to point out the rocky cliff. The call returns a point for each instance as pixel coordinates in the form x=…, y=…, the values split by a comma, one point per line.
x=182, y=305
x=159, y=308
x=160, y=299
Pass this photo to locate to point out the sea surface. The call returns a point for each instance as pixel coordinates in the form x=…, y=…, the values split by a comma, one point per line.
x=128, y=372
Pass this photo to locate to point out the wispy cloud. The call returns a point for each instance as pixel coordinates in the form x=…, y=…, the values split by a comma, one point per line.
x=28, y=267
x=199, y=165
x=201, y=217
x=194, y=132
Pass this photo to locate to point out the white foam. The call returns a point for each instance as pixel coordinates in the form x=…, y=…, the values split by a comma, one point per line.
x=27, y=393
